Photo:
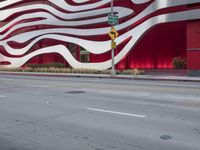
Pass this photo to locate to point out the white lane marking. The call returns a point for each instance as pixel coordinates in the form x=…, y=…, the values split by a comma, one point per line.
x=2, y=96
x=118, y=113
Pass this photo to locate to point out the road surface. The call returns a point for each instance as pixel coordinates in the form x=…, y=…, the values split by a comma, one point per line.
x=49, y=113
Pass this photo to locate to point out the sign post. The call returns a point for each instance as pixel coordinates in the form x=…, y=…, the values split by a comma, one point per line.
x=113, y=20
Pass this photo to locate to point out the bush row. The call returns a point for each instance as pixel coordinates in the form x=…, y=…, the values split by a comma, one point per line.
x=49, y=65
x=69, y=70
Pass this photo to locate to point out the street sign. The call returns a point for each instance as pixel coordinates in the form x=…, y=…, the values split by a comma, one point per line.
x=113, y=20
x=113, y=33
x=113, y=44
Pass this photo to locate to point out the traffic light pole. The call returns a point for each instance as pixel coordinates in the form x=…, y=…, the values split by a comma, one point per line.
x=113, y=72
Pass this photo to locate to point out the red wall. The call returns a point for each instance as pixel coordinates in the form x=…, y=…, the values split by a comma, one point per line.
x=193, y=43
x=158, y=47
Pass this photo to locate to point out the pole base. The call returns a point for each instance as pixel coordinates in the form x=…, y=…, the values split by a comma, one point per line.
x=113, y=73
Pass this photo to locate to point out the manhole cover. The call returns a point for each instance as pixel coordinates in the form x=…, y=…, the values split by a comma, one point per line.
x=75, y=92
x=165, y=137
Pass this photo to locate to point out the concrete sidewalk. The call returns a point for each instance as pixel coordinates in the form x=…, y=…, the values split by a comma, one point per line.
x=161, y=77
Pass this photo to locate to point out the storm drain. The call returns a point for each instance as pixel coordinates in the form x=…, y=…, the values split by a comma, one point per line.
x=75, y=92
x=165, y=137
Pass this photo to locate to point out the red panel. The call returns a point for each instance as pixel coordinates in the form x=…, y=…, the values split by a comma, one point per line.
x=48, y=58
x=193, y=60
x=193, y=32
x=193, y=45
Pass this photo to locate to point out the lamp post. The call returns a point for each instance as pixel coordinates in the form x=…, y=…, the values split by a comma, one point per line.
x=113, y=72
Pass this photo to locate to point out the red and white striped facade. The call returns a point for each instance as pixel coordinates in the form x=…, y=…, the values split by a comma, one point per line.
x=151, y=32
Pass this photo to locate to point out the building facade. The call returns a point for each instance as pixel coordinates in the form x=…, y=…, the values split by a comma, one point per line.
x=75, y=32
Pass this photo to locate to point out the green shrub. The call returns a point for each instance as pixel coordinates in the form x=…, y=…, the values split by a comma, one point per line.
x=56, y=65
x=49, y=65
x=179, y=63
x=132, y=72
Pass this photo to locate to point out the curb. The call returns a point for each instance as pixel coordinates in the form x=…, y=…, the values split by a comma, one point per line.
x=98, y=76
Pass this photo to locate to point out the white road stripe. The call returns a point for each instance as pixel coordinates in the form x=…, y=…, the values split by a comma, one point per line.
x=118, y=113
x=2, y=96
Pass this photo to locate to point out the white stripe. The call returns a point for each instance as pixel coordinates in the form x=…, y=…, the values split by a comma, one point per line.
x=140, y=1
x=118, y=113
x=80, y=1
x=2, y=96
x=51, y=20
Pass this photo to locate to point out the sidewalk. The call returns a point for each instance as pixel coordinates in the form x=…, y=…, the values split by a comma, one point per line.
x=148, y=76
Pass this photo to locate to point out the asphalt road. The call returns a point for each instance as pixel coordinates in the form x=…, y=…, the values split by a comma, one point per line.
x=47, y=113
